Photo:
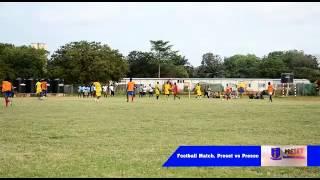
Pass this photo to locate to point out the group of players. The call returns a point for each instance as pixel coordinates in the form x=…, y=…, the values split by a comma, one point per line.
x=95, y=90
x=168, y=87
x=173, y=88
x=41, y=90
x=89, y=91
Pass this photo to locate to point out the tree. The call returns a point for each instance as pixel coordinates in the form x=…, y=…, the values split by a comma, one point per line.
x=211, y=66
x=272, y=65
x=302, y=65
x=190, y=70
x=161, y=56
x=5, y=70
x=161, y=50
x=292, y=61
x=177, y=59
x=23, y=61
x=142, y=64
x=84, y=62
x=241, y=66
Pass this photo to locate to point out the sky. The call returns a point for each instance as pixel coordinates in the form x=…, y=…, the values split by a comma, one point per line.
x=224, y=28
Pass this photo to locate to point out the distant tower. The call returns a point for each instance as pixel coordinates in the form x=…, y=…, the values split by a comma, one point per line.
x=42, y=46
x=39, y=46
x=318, y=58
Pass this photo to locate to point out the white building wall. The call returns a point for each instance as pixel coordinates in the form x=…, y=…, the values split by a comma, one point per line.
x=253, y=84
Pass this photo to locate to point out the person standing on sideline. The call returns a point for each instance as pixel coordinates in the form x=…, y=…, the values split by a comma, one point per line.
x=112, y=90
x=157, y=90
x=198, y=91
x=108, y=89
x=104, y=90
x=209, y=92
x=92, y=91
x=175, y=91
x=270, y=91
x=144, y=90
x=130, y=89
x=6, y=90
x=150, y=90
x=141, y=90
x=79, y=91
x=86, y=91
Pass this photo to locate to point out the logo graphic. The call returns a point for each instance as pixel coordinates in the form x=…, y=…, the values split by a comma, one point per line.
x=292, y=153
x=276, y=153
x=295, y=153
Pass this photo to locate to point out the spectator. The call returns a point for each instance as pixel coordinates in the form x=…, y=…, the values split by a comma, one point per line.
x=144, y=90
x=112, y=90
x=105, y=92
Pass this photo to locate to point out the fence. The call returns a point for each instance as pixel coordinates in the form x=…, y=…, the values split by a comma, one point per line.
x=299, y=89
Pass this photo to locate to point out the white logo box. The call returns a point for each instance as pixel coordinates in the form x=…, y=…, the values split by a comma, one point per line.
x=291, y=155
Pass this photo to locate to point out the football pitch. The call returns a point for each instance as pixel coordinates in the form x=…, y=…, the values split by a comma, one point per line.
x=76, y=137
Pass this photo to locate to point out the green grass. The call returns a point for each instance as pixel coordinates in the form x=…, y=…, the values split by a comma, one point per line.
x=71, y=137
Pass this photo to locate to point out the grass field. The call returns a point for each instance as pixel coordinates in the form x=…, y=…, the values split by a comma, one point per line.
x=72, y=137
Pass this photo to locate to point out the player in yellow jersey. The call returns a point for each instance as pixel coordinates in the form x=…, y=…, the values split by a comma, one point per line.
x=198, y=90
x=167, y=88
x=157, y=90
x=39, y=90
x=98, y=88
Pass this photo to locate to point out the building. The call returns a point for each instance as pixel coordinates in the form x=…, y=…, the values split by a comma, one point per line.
x=251, y=84
x=39, y=46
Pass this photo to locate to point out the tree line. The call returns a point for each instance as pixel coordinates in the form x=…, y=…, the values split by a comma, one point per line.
x=83, y=62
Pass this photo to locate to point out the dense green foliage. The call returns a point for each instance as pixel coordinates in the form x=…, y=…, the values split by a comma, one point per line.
x=83, y=62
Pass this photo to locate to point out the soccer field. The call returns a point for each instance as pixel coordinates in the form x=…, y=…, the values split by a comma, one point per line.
x=74, y=137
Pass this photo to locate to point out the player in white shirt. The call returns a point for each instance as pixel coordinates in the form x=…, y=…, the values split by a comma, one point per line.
x=150, y=89
x=144, y=90
x=111, y=90
x=104, y=90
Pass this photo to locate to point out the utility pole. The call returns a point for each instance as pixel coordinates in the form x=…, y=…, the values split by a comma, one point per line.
x=159, y=59
x=159, y=71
